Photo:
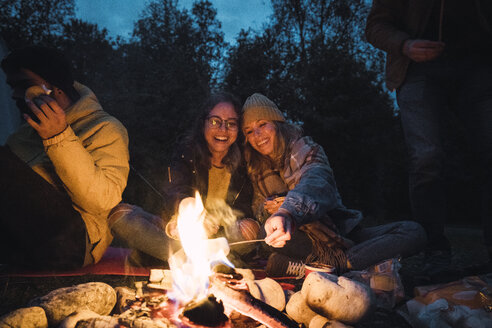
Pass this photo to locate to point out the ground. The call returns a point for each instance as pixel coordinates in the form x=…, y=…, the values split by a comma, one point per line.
x=467, y=246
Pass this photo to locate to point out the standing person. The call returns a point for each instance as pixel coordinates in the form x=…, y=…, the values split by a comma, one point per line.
x=207, y=160
x=438, y=60
x=62, y=171
x=309, y=223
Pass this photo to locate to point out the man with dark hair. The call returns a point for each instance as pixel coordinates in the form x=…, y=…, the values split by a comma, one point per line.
x=62, y=171
x=438, y=60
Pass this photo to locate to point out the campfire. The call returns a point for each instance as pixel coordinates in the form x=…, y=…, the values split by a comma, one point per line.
x=202, y=288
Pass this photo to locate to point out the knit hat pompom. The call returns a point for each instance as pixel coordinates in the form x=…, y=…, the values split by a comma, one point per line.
x=258, y=107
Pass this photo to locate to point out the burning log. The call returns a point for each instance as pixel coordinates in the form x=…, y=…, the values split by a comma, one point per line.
x=244, y=303
x=207, y=312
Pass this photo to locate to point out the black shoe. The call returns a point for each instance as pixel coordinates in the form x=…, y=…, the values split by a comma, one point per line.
x=279, y=265
x=438, y=268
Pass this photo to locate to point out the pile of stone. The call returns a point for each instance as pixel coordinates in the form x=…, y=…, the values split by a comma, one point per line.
x=325, y=300
x=82, y=306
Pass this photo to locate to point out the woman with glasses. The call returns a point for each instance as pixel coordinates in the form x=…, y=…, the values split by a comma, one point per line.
x=207, y=160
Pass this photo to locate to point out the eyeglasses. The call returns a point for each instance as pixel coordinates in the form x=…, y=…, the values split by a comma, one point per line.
x=215, y=122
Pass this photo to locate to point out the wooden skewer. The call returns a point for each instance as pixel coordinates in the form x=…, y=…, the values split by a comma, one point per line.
x=246, y=242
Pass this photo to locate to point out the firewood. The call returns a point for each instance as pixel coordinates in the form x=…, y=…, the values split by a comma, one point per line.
x=244, y=303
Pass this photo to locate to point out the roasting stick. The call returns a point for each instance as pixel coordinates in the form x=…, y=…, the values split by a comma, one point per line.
x=246, y=242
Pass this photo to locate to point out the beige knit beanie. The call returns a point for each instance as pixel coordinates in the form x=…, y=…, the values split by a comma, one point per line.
x=258, y=107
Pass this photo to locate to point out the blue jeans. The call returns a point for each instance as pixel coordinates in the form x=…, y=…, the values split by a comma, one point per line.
x=430, y=91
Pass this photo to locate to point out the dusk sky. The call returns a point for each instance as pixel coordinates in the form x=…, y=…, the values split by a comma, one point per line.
x=118, y=16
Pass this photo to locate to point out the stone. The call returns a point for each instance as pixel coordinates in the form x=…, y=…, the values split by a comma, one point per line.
x=115, y=322
x=268, y=291
x=31, y=317
x=247, y=274
x=72, y=320
x=337, y=298
x=58, y=304
x=319, y=321
x=298, y=310
x=123, y=296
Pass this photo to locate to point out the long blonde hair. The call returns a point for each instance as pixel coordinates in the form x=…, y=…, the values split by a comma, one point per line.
x=285, y=134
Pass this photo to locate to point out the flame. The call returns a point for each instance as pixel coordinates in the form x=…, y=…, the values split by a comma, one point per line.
x=191, y=266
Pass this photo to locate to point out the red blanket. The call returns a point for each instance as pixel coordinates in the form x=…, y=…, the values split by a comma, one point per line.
x=112, y=263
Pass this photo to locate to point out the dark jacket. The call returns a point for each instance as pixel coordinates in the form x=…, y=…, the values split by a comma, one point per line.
x=187, y=175
x=391, y=22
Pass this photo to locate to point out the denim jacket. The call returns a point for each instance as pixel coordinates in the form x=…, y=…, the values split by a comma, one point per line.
x=313, y=194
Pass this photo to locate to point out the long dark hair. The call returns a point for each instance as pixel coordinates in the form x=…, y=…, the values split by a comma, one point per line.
x=196, y=138
x=286, y=133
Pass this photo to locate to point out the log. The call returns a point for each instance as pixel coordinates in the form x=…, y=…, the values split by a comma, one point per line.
x=242, y=302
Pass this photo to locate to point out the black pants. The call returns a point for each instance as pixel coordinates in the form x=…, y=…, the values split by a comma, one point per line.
x=39, y=228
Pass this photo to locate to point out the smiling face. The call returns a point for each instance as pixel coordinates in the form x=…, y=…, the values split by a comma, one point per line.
x=261, y=136
x=221, y=129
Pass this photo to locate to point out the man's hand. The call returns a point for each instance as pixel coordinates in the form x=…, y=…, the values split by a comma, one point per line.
x=422, y=50
x=278, y=230
x=52, y=120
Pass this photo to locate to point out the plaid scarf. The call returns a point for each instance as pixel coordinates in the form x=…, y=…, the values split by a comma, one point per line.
x=328, y=245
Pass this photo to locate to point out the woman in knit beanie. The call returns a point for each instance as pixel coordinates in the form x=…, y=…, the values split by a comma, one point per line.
x=298, y=203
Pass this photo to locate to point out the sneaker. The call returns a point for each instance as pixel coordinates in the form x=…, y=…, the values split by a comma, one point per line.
x=279, y=265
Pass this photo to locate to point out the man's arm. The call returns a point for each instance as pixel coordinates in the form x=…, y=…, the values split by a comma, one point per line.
x=94, y=171
x=383, y=28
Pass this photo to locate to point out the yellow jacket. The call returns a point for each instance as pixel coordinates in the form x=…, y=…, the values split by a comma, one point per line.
x=89, y=160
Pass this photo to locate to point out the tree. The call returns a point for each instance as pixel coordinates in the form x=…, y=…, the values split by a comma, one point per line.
x=170, y=64
x=95, y=61
x=24, y=22
x=312, y=62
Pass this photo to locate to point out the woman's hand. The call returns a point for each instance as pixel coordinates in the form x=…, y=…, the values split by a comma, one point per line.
x=278, y=230
x=52, y=120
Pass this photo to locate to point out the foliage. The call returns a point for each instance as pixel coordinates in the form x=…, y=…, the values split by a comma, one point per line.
x=310, y=60
x=170, y=65
x=24, y=22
